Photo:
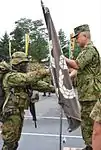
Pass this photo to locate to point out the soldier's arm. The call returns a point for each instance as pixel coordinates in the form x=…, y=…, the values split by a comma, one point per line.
x=73, y=73
x=21, y=79
x=83, y=58
x=14, y=79
x=71, y=63
x=43, y=86
x=34, y=76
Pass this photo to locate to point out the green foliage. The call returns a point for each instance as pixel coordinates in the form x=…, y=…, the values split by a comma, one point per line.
x=17, y=39
x=4, y=46
x=39, y=49
x=39, y=45
x=66, y=51
x=62, y=38
x=38, y=38
x=76, y=51
x=64, y=43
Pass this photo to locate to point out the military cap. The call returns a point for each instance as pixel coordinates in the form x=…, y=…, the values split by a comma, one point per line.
x=80, y=29
x=18, y=57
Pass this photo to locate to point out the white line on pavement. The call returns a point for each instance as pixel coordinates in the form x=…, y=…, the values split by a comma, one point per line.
x=51, y=135
x=71, y=148
x=43, y=117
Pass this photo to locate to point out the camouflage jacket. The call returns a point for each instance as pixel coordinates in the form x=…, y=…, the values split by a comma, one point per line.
x=15, y=83
x=89, y=74
x=96, y=112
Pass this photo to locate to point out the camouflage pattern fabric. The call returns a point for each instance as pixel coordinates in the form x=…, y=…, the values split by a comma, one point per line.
x=96, y=112
x=14, y=84
x=4, y=67
x=82, y=28
x=87, y=122
x=11, y=132
x=34, y=65
x=43, y=83
x=89, y=74
x=18, y=57
x=88, y=86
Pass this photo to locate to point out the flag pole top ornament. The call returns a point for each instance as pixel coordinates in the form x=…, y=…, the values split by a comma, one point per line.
x=45, y=8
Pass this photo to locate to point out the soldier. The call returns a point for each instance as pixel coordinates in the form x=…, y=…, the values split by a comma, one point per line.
x=96, y=116
x=87, y=68
x=16, y=96
x=49, y=94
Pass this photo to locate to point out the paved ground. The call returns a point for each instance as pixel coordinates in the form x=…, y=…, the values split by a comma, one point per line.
x=46, y=136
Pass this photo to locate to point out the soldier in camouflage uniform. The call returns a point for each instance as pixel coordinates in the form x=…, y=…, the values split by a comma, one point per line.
x=87, y=68
x=16, y=96
x=96, y=116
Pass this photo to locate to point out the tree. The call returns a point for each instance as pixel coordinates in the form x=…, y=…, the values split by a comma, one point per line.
x=64, y=43
x=62, y=38
x=76, y=50
x=39, y=49
x=39, y=46
x=4, y=46
x=37, y=34
x=17, y=39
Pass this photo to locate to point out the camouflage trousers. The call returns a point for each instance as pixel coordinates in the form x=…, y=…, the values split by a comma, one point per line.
x=87, y=122
x=11, y=132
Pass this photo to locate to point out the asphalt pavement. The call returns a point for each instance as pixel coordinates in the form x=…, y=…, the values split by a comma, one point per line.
x=46, y=135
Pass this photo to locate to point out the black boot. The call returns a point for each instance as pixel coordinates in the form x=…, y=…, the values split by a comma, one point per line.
x=44, y=94
x=49, y=94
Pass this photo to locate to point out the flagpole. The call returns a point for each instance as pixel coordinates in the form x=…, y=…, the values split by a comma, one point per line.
x=60, y=140
x=61, y=77
x=61, y=113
